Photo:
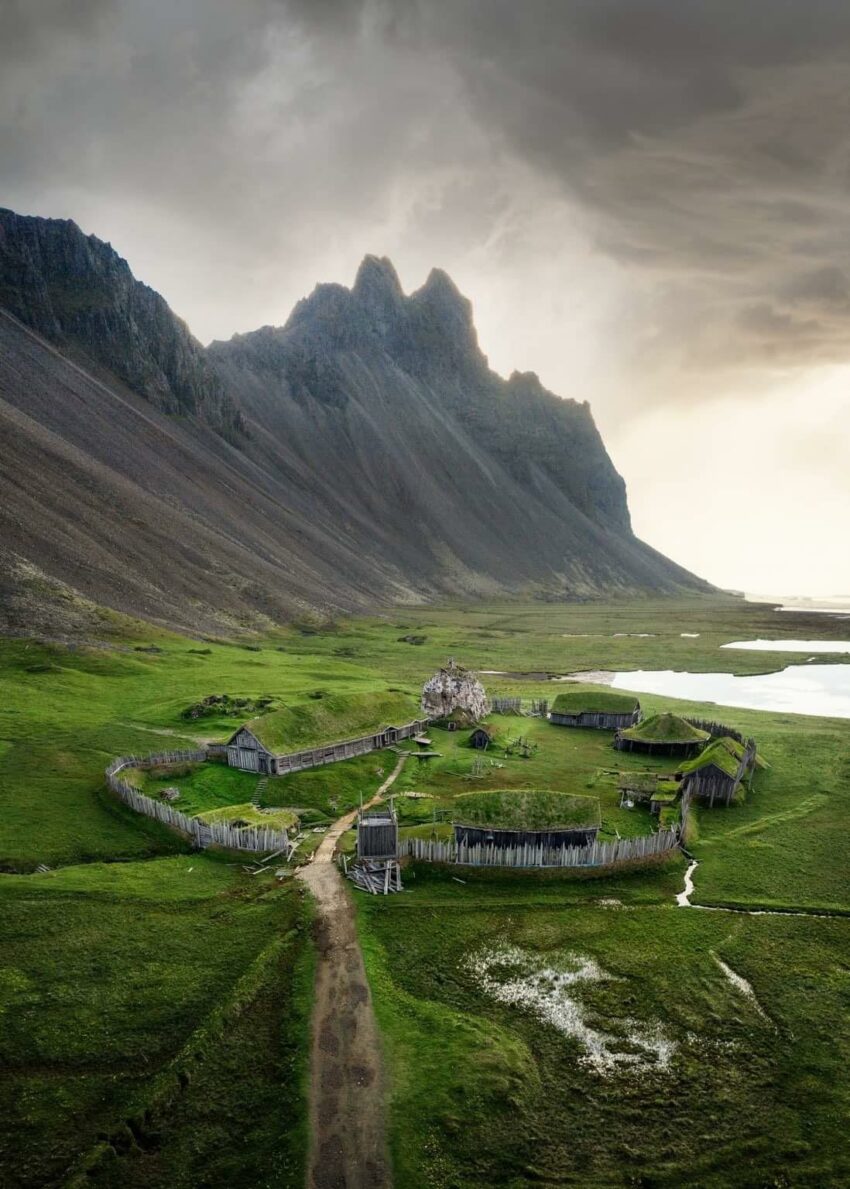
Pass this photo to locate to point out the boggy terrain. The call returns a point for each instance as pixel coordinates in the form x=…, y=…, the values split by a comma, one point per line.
x=534, y=1029
x=362, y=453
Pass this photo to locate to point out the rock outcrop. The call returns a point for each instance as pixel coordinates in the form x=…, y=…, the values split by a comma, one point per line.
x=455, y=693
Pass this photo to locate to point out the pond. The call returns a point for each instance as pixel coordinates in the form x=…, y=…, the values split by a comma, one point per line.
x=798, y=689
x=791, y=645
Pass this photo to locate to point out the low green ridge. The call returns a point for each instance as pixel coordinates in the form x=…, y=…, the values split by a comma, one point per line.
x=278, y=819
x=331, y=719
x=665, y=728
x=593, y=701
x=511, y=809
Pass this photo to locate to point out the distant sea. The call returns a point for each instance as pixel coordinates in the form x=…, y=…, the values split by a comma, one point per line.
x=822, y=605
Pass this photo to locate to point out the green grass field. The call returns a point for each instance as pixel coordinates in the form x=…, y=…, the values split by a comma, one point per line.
x=154, y=1001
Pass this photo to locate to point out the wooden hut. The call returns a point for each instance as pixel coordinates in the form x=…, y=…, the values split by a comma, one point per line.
x=377, y=834
x=662, y=734
x=716, y=774
x=481, y=738
x=648, y=788
x=514, y=818
x=322, y=731
x=605, y=710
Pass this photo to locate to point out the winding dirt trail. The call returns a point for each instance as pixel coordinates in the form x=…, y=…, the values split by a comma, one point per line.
x=347, y=1084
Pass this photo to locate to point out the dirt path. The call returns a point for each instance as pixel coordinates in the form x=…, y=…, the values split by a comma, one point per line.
x=348, y=1145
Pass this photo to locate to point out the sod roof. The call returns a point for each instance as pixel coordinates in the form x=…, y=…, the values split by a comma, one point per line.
x=725, y=753
x=512, y=809
x=594, y=701
x=665, y=728
x=331, y=719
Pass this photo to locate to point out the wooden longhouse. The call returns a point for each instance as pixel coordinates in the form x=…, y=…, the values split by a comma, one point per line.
x=715, y=775
x=261, y=744
x=603, y=710
x=514, y=818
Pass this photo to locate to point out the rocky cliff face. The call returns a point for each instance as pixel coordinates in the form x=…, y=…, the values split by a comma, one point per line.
x=79, y=293
x=362, y=454
x=429, y=337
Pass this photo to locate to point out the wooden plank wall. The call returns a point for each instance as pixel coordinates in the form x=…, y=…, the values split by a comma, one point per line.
x=331, y=753
x=603, y=722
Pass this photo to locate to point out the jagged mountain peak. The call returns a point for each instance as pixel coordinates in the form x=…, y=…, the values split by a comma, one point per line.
x=377, y=280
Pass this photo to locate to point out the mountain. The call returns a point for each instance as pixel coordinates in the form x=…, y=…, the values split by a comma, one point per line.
x=80, y=294
x=362, y=454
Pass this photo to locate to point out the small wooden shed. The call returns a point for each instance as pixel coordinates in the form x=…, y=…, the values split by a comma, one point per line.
x=377, y=834
x=481, y=738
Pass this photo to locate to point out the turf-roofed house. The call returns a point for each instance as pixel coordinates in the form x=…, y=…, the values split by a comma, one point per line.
x=717, y=773
x=323, y=731
x=605, y=709
x=511, y=818
x=662, y=734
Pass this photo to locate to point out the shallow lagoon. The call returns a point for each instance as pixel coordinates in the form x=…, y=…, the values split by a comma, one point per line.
x=791, y=645
x=798, y=689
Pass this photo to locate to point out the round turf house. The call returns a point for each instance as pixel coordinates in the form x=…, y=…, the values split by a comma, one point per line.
x=512, y=818
x=662, y=734
x=605, y=709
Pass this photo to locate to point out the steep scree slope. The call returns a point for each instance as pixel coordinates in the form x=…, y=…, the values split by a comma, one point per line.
x=363, y=453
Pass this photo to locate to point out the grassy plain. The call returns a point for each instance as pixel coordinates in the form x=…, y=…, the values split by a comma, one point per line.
x=122, y=965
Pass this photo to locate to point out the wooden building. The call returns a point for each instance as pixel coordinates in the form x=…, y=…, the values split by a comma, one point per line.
x=716, y=774
x=377, y=834
x=662, y=734
x=481, y=738
x=261, y=744
x=514, y=818
x=603, y=710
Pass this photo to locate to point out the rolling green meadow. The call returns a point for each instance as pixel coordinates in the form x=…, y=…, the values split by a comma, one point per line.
x=155, y=1001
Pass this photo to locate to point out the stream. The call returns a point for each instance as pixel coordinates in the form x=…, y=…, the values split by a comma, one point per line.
x=683, y=900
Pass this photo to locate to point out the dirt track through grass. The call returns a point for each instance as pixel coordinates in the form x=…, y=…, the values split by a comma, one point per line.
x=347, y=1086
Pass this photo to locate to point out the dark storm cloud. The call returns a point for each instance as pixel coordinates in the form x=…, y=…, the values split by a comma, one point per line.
x=705, y=142
x=708, y=139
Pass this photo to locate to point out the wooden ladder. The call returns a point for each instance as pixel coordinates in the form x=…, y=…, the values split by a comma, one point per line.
x=259, y=791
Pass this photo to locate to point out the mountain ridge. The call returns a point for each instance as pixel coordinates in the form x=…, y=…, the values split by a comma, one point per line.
x=362, y=454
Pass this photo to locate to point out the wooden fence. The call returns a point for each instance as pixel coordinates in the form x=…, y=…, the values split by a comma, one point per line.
x=716, y=729
x=506, y=705
x=598, y=854
x=203, y=834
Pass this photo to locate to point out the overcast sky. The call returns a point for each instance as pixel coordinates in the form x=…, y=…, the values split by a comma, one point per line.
x=647, y=202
